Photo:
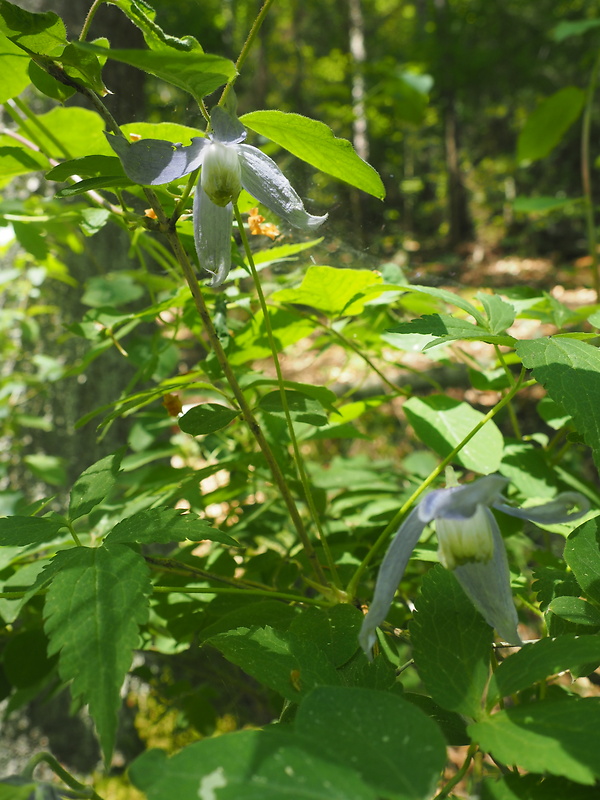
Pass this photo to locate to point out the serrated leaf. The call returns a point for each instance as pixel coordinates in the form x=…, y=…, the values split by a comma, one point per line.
x=569, y=370
x=156, y=525
x=335, y=292
x=21, y=531
x=227, y=768
x=393, y=745
x=43, y=33
x=442, y=423
x=93, y=485
x=451, y=644
x=206, y=418
x=14, y=77
x=92, y=612
x=302, y=408
x=315, y=143
x=193, y=71
x=558, y=736
x=291, y=665
x=546, y=126
x=449, y=329
x=536, y=661
x=582, y=554
x=143, y=16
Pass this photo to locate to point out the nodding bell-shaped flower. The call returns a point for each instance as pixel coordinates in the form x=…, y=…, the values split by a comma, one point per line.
x=228, y=165
x=471, y=545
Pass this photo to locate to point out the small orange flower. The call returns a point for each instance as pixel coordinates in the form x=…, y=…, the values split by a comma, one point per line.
x=258, y=226
x=150, y=212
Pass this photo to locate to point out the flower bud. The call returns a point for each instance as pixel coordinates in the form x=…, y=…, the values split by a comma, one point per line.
x=221, y=176
x=464, y=541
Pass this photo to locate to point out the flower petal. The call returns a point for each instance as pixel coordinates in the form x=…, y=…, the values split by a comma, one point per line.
x=227, y=129
x=390, y=573
x=565, y=507
x=263, y=179
x=154, y=161
x=212, y=236
x=460, y=502
x=488, y=587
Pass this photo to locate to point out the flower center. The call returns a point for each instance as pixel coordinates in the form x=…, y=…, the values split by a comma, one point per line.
x=464, y=541
x=221, y=173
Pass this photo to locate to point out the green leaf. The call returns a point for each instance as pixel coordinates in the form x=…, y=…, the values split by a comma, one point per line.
x=93, y=184
x=40, y=33
x=14, y=787
x=84, y=67
x=15, y=76
x=334, y=630
x=22, y=531
x=88, y=166
x=577, y=611
x=247, y=765
x=558, y=736
x=48, y=85
x=206, y=418
x=94, y=484
x=500, y=314
x=314, y=142
x=448, y=329
x=291, y=665
x=252, y=342
x=167, y=131
x=451, y=644
x=569, y=370
x=396, y=749
x=71, y=132
x=92, y=610
x=335, y=292
x=302, y=407
x=574, y=27
x=538, y=205
x=143, y=16
x=451, y=298
x=539, y=660
x=546, y=126
x=50, y=469
x=111, y=289
x=582, y=554
x=18, y=161
x=442, y=423
x=156, y=525
x=194, y=71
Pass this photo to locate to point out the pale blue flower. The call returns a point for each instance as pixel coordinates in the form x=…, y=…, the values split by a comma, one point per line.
x=469, y=543
x=228, y=165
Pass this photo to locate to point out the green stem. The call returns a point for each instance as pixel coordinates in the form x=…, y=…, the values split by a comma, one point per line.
x=460, y=774
x=511, y=378
x=299, y=461
x=586, y=177
x=66, y=777
x=35, y=120
x=246, y=48
x=249, y=418
x=294, y=598
x=399, y=516
x=88, y=20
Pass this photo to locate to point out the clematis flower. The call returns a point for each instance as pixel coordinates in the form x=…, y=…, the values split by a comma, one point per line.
x=228, y=165
x=470, y=544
